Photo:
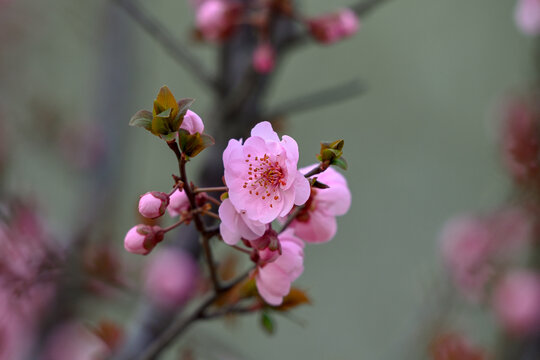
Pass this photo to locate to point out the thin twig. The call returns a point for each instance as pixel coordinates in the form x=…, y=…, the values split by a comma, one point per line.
x=167, y=229
x=317, y=99
x=211, y=189
x=176, y=49
x=291, y=218
x=212, y=214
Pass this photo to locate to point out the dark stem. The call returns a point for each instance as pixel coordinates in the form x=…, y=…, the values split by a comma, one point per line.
x=181, y=325
x=291, y=218
x=211, y=189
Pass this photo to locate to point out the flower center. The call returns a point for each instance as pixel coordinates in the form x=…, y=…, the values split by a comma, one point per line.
x=264, y=178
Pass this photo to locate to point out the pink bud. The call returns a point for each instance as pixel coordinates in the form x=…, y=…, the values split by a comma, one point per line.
x=517, y=303
x=178, y=202
x=264, y=58
x=153, y=204
x=216, y=18
x=331, y=28
x=171, y=278
x=141, y=239
x=527, y=16
x=192, y=123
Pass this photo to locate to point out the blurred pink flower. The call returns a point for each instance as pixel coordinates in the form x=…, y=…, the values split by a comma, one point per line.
x=141, y=239
x=330, y=28
x=215, y=19
x=192, y=123
x=274, y=279
x=171, y=278
x=178, y=202
x=236, y=225
x=517, y=302
x=72, y=341
x=262, y=174
x=153, y=204
x=317, y=222
x=473, y=246
x=264, y=58
x=520, y=142
x=527, y=16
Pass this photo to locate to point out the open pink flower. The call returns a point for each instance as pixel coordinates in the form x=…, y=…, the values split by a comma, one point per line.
x=262, y=174
x=527, y=16
x=236, y=225
x=317, y=222
x=274, y=279
x=171, y=278
x=192, y=123
x=517, y=302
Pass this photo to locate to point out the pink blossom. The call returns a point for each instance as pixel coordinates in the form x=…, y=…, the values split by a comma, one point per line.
x=153, y=204
x=264, y=58
x=178, y=203
x=72, y=341
x=262, y=174
x=517, y=302
x=171, y=278
x=520, y=143
x=236, y=225
x=215, y=19
x=331, y=28
x=466, y=249
x=141, y=239
x=473, y=245
x=527, y=16
x=192, y=123
x=317, y=222
x=274, y=279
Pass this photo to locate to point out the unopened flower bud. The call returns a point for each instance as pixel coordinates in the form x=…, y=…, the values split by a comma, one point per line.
x=153, y=204
x=141, y=239
x=178, y=202
x=192, y=123
x=264, y=58
x=331, y=28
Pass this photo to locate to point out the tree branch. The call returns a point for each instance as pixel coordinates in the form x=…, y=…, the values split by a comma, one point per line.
x=317, y=99
x=176, y=49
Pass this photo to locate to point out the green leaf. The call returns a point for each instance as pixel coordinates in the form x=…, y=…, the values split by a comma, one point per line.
x=193, y=144
x=341, y=163
x=164, y=114
x=165, y=100
x=183, y=107
x=142, y=119
x=267, y=323
x=319, y=185
x=159, y=126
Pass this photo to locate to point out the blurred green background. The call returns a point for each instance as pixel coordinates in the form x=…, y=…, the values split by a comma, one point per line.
x=421, y=145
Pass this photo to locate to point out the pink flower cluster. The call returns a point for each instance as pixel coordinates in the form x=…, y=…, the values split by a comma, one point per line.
x=216, y=19
x=28, y=268
x=331, y=28
x=473, y=246
x=264, y=185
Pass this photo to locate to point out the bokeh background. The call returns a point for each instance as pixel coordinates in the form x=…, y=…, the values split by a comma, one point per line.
x=421, y=144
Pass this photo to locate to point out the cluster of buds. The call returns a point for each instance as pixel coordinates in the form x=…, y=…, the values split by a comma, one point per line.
x=218, y=20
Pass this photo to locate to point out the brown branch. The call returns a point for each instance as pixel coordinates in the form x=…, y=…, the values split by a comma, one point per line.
x=176, y=49
x=181, y=325
x=317, y=99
